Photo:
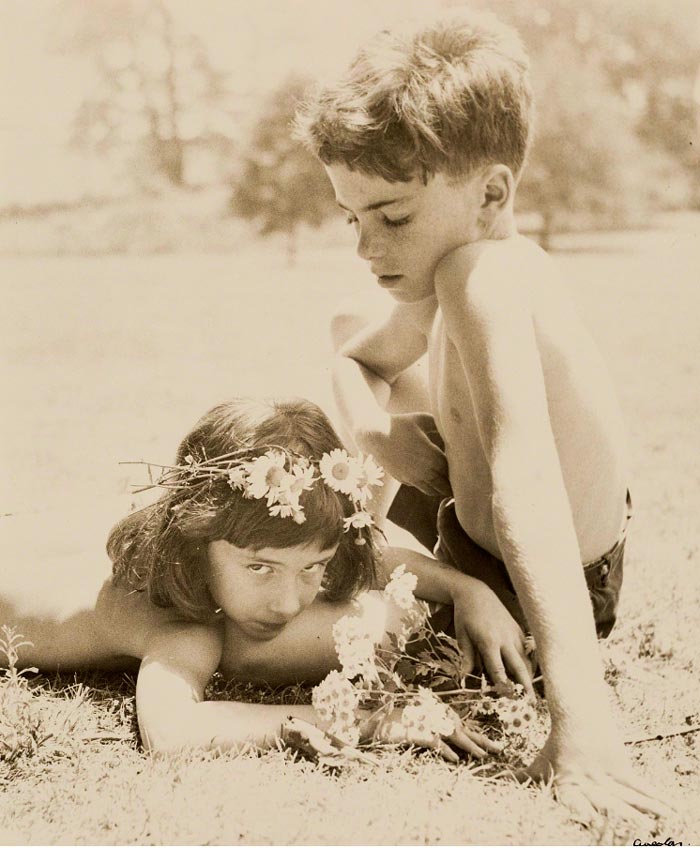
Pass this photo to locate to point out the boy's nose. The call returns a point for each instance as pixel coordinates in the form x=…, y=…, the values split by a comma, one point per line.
x=368, y=246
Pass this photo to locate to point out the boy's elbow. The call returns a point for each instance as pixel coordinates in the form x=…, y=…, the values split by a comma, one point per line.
x=346, y=323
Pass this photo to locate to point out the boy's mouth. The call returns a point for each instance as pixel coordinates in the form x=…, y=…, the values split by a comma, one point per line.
x=387, y=281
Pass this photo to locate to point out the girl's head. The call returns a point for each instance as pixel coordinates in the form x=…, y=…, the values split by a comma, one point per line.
x=209, y=520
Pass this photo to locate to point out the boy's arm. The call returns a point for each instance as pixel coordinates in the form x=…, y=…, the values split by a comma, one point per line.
x=485, y=302
x=366, y=371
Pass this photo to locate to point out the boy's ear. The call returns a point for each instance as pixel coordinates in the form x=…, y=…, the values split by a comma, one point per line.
x=498, y=187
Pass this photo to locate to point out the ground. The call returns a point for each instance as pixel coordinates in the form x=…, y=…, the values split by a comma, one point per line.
x=113, y=358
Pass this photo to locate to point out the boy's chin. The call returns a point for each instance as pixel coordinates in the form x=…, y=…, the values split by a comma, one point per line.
x=413, y=295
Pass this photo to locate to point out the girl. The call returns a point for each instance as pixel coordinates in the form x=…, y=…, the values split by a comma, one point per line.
x=255, y=549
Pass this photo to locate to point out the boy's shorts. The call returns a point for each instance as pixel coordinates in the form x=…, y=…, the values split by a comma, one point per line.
x=433, y=522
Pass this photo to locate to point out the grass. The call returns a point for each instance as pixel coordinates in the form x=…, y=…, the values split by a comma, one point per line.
x=113, y=358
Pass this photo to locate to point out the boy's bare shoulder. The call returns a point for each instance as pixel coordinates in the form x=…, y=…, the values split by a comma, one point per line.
x=492, y=269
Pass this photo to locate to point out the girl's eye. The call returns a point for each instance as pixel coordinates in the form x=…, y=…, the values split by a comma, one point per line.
x=259, y=568
x=315, y=568
x=399, y=222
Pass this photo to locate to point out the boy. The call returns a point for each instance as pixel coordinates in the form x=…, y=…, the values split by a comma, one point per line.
x=424, y=141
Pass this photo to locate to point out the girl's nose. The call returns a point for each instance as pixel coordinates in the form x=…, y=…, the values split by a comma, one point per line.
x=286, y=603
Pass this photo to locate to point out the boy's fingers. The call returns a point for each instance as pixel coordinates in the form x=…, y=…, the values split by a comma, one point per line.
x=493, y=664
x=468, y=652
x=520, y=671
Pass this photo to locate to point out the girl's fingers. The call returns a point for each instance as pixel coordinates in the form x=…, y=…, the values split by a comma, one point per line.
x=474, y=743
x=483, y=741
x=446, y=752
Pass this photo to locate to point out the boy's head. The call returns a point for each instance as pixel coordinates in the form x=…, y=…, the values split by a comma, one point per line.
x=448, y=98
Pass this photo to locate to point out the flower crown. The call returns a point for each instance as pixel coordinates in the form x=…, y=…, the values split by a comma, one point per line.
x=280, y=476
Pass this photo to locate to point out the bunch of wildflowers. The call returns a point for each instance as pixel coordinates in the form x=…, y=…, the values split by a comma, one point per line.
x=336, y=700
x=378, y=680
x=355, y=646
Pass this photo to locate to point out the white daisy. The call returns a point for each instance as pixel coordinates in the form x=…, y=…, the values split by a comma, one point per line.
x=369, y=474
x=339, y=472
x=237, y=476
x=358, y=520
x=265, y=472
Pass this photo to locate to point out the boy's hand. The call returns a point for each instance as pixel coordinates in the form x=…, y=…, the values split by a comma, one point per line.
x=410, y=454
x=484, y=627
x=593, y=776
x=464, y=737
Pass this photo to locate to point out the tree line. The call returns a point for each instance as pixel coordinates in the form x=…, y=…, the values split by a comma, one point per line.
x=616, y=128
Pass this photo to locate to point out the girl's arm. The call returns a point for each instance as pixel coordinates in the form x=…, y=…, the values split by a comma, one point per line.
x=179, y=662
x=172, y=714
x=482, y=624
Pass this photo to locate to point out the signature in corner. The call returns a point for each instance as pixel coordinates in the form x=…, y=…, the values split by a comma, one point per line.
x=665, y=842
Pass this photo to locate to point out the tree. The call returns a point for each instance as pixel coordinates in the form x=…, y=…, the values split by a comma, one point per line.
x=281, y=185
x=156, y=93
x=587, y=167
x=615, y=120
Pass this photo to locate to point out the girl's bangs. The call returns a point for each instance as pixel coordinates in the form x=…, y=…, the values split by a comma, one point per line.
x=248, y=523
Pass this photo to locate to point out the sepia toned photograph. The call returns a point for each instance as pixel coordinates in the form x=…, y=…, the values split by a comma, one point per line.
x=350, y=408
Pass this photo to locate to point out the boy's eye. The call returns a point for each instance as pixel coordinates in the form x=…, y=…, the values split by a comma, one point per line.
x=259, y=568
x=398, y=222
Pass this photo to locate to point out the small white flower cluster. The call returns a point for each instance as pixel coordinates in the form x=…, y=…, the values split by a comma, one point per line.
x=399, y=590
x=355, y=647
x=516, y=714
x=335, y=700
x=427, y=715
x=281, y=477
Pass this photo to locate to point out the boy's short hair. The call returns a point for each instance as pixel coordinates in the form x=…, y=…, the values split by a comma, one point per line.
x=447, y=97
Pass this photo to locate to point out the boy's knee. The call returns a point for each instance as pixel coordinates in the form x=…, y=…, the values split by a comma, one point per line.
x=347, y=321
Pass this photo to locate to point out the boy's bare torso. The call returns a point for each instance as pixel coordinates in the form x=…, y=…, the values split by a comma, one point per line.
x=583, y=410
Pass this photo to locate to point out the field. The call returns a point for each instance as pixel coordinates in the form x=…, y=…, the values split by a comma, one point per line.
x=106, y=359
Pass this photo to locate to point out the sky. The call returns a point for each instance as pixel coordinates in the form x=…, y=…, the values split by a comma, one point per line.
x=258, y=41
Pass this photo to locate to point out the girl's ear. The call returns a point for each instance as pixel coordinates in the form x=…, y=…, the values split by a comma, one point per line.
x=498, y=189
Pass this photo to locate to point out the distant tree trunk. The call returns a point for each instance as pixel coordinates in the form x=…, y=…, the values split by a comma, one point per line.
x=292, y=246
x=546, y=230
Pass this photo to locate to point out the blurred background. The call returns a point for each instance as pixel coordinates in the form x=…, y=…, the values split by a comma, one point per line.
x=162, y=125
x=164, y=243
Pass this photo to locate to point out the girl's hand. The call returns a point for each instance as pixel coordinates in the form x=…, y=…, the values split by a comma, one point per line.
x=486, y=630
x=395, y=730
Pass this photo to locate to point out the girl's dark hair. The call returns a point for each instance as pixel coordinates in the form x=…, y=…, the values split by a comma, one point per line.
x=162, y=548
